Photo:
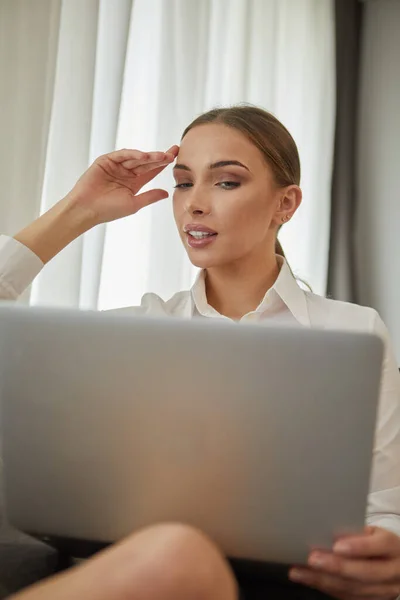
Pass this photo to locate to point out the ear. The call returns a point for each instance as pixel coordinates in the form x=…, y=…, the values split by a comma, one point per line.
x=289, y=201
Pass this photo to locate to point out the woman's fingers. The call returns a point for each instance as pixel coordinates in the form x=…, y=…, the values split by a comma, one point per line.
x=339, y=587
x=139, y=163
x=150, y=158
x=141, y=169
x=173, y=150
x=378, y=543
x=162, y=158
x=133, y=169
x=365, y=566
x=150, y=197
x=132, y=159
x=119, y=156
x=365, y=571
x=150, y=174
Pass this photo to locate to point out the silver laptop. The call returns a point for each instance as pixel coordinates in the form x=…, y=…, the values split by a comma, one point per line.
x=259, y=436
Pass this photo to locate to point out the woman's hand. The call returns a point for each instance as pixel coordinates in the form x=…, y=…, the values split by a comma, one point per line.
x=108, y=190
x=360, y=567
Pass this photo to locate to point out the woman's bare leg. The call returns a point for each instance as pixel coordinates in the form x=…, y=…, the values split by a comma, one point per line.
x=164, y=562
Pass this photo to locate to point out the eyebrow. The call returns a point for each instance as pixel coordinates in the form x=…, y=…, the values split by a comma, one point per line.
x=216, y=165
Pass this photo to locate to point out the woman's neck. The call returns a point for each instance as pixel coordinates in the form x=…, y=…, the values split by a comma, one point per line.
x=238, y=289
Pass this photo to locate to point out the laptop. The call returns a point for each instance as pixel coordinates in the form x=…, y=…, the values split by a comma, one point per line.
x=260, y=436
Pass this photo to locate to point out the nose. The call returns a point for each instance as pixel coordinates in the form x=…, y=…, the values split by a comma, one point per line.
x=197, y=203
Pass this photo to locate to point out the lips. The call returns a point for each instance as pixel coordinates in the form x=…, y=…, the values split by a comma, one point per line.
x=192, y=227
x=199, y=236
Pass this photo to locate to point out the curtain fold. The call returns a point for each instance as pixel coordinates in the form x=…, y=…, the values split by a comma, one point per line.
x=69, y=141
x=112, y=39
x=87, y=92
x=341, y=272
x=28, y=50
x=377, y=239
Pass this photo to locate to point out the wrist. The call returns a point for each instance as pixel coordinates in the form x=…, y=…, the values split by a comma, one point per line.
x=75, y=214
x=57, y=228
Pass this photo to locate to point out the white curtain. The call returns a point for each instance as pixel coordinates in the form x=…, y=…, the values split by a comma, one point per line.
x=134, y=74
x=87, y=93
x=28, y=49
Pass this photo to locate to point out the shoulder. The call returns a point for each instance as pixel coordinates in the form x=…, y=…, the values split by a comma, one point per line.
x=152, y=305
x=335, y=314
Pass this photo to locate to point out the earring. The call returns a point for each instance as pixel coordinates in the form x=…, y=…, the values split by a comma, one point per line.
x=285, y=219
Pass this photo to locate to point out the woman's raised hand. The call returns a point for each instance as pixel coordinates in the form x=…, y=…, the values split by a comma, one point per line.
x=110, y=188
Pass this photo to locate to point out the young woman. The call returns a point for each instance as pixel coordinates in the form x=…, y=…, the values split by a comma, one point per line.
x=237, y=182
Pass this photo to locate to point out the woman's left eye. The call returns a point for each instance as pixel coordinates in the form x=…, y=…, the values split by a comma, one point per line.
x=228, y=185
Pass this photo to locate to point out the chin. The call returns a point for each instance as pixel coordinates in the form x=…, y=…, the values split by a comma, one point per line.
x=205, y=260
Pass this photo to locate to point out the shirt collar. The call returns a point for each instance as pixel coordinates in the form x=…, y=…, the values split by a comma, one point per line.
x=285, y=288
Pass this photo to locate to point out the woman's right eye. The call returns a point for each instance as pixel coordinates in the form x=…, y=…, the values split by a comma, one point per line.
x=181, y=186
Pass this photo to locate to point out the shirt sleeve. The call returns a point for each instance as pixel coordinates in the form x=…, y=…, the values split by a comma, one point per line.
x=384, y=499
x=18, y=268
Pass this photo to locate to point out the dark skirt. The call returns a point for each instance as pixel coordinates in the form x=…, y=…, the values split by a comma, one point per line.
x=260, y=581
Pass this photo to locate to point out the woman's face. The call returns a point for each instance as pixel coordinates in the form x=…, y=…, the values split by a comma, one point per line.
x=225, y=200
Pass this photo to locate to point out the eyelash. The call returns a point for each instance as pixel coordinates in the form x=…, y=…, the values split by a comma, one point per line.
x=233, y=184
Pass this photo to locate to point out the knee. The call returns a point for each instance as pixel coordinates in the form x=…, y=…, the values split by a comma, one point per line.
x=179, y=562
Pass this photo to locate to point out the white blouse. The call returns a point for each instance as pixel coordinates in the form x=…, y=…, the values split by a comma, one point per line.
x=287, y=303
